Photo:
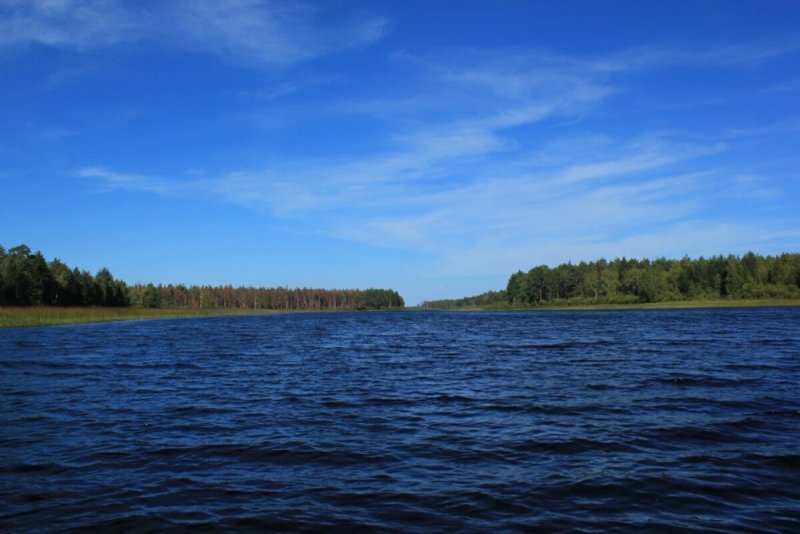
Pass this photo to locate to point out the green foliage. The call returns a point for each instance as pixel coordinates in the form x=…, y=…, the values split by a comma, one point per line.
x=261, y=298
x=26, y=279
x=644, y=281
x=151, y=297
x=484, y=300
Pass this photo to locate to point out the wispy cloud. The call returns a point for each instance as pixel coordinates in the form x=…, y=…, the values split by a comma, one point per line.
x=747, y=55
x=264, y=32
x=790, y=125
x=110, y=180
x=261, y=32
x=470, y=179
x=65, y=23
x=396, y=210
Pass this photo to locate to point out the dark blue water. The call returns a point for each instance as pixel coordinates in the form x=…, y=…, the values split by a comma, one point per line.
x=406, y=421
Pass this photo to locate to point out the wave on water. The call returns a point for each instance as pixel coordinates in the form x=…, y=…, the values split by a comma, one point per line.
x=667, y=420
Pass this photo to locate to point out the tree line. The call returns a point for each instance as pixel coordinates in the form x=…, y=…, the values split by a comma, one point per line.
x=750, y=276
x=262, y=298
x=28, y=279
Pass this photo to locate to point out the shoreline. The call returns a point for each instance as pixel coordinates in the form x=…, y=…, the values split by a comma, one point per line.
x=21, y=317
x=668, y=305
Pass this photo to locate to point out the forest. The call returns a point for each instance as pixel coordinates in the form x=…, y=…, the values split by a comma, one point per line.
x=28, y=279
x=262, y=298
x=624, y=281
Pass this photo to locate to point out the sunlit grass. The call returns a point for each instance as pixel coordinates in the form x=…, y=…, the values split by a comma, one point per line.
x=13, y=316
x=50, y=315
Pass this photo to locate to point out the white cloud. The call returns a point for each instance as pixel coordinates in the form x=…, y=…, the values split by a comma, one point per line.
x=132, y=182
x=262, y=32
x=64, y=23
x=397, y=210
x=748, y=55
x=460, y=184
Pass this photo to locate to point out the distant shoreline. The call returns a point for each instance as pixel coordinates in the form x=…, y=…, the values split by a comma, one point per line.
x=684, y=304
x=19, y=316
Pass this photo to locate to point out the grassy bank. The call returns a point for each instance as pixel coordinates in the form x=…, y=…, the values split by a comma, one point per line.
x=48, y=315
x=12, y=316
x=716, y=303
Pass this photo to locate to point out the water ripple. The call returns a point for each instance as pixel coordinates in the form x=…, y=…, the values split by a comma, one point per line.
x=589, y=421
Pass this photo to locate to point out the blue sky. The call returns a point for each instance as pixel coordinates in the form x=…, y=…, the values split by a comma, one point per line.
x=429, y=147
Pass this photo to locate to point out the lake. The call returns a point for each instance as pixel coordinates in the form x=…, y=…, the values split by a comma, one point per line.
x=412, y=421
